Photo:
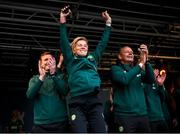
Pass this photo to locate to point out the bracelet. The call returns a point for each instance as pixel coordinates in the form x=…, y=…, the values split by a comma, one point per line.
x=108, y=23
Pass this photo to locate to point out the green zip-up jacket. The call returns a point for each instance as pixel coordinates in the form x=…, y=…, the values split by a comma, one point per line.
x=83, y=77
x=49, y=104
x=153, y=92
x=128, y=87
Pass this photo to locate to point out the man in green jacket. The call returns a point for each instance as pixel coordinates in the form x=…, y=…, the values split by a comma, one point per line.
x=86, y=109
x=47, y=90
x=154, y=95
x=130, y=111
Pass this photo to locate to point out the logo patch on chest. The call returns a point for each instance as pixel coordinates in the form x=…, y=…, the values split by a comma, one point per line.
x=90, y=58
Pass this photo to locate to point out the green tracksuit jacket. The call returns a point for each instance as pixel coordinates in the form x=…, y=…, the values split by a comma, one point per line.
x=127, y=81
x=153, y=94
x=83, y=77
x=49, y=104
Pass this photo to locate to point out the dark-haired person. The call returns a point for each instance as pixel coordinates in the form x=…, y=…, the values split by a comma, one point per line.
x=154, y=95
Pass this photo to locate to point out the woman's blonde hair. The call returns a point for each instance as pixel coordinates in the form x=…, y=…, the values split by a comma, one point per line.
x=74, y=42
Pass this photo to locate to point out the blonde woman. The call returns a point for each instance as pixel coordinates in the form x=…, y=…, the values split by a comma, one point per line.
x=86, y=110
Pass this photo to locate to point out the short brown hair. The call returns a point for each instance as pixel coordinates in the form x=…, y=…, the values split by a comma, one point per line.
x=45, y=53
